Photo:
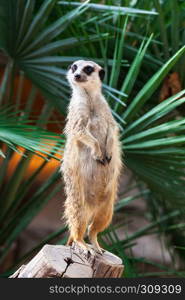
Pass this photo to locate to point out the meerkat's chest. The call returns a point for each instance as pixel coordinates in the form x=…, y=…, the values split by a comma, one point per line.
x=97, y=123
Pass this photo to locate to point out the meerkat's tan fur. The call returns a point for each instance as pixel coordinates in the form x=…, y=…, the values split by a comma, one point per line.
x=92, y=157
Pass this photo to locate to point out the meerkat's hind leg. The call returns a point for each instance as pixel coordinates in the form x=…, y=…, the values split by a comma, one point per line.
x=77, y=233
x=94, y=242
x=100, y=222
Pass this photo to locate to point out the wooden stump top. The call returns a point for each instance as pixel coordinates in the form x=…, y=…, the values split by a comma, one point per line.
x=71, y=262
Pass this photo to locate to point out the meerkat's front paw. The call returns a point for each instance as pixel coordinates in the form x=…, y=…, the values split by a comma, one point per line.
x=108, y=158
x=98, y=156
x=105, y=160
x=101, y=161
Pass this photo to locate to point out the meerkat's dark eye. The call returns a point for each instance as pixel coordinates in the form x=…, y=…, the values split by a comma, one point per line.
x=74, y=68
x=88, y=70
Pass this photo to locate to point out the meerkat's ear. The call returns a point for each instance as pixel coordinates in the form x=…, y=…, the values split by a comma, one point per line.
x=102, y=74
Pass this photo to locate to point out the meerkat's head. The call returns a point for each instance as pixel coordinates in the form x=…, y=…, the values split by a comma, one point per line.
x=86, y=74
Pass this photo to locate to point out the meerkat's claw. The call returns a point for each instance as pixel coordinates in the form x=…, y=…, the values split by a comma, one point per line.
x=101, y=161
x=91, y=251
x=96, y=249
x=87, y=250
x=104, y=160
x=108, y=158
x=99, y=158
x=99, y=251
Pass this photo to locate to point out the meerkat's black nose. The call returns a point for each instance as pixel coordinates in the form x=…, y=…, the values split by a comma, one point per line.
x=77, y=76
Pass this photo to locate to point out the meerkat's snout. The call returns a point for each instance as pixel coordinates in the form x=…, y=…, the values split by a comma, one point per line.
x=77, y=77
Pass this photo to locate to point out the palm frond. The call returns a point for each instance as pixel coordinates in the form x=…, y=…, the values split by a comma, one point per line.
x=16, y=131
x=112, y=8
x=147, y=91
x=32, y=42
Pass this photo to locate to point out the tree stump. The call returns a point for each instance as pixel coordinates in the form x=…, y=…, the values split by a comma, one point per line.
x=72, y=262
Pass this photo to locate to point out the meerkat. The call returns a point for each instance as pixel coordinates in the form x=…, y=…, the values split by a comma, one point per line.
x=92, y=161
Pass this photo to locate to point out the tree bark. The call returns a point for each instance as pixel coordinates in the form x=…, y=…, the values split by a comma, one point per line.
x=72, y=262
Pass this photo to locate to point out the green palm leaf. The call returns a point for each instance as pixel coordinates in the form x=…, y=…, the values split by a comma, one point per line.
x=15, y=131
x=114, y=8
x=147, y=91
x=30, y=41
